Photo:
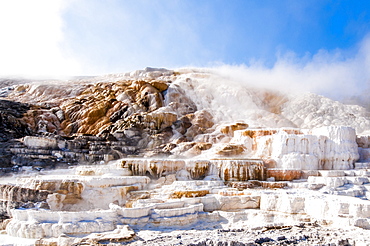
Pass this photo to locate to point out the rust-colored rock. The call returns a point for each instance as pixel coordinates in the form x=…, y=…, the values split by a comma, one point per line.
x=240, y=170
x=254, y=133
x=198, y=168
x=257, y=184
x=103, y=103
x=284, y=174
x=269, y=163
x=231, y=150
x=232, y=193
x=159, y=85
x=201, y=121
x=72, y=189
x=273, y=185
x=229, y=129
x=242, y=185
x=202, y=118
x=189, y=193
x=198, y=148
x=136, y=195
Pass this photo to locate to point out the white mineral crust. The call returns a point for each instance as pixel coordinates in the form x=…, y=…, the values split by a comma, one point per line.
x=236, y=175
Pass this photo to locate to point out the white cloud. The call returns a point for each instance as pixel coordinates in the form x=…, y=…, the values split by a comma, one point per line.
x=337, y=74
x=31, y=41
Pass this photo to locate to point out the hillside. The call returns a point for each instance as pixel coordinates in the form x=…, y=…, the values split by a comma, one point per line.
x=155, y=112
x=124, y=158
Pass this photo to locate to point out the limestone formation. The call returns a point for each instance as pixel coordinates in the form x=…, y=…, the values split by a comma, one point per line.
x=157, y=148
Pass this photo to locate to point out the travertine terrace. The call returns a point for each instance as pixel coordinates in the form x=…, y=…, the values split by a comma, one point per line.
x=100, y=159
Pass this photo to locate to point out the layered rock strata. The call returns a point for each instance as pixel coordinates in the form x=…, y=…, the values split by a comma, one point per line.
x=165, y=113
x=227, y=169
x=192, y=148
x=78, y=204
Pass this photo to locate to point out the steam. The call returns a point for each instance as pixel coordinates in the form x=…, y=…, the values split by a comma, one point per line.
x=340, y=75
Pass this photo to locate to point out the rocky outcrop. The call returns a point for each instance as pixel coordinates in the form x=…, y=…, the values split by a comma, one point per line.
x=161, y=113
x=331, y=147
x=227, y=169
x=94, y=122
x=225, y=190
x=12, y=126
x=192, y=148
x=14, y=197
x=104, y=104
x=11, y=123
x=14, y=193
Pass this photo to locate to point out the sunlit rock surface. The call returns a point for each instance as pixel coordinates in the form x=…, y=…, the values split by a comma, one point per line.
x=157, y=148
x=178, y=114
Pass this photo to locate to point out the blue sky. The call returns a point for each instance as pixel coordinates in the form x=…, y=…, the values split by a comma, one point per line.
x=92, y=37
x=121, y=35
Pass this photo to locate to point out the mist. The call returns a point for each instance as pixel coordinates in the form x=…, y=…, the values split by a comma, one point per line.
x=340, y=75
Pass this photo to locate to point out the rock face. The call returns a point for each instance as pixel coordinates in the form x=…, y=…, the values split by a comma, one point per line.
x=324, y=148
x=76, y=204
x=11, y=123
x=12, y=126
x=227, y=169
x=162, y=148
x=13, y=196
x=178, y=114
